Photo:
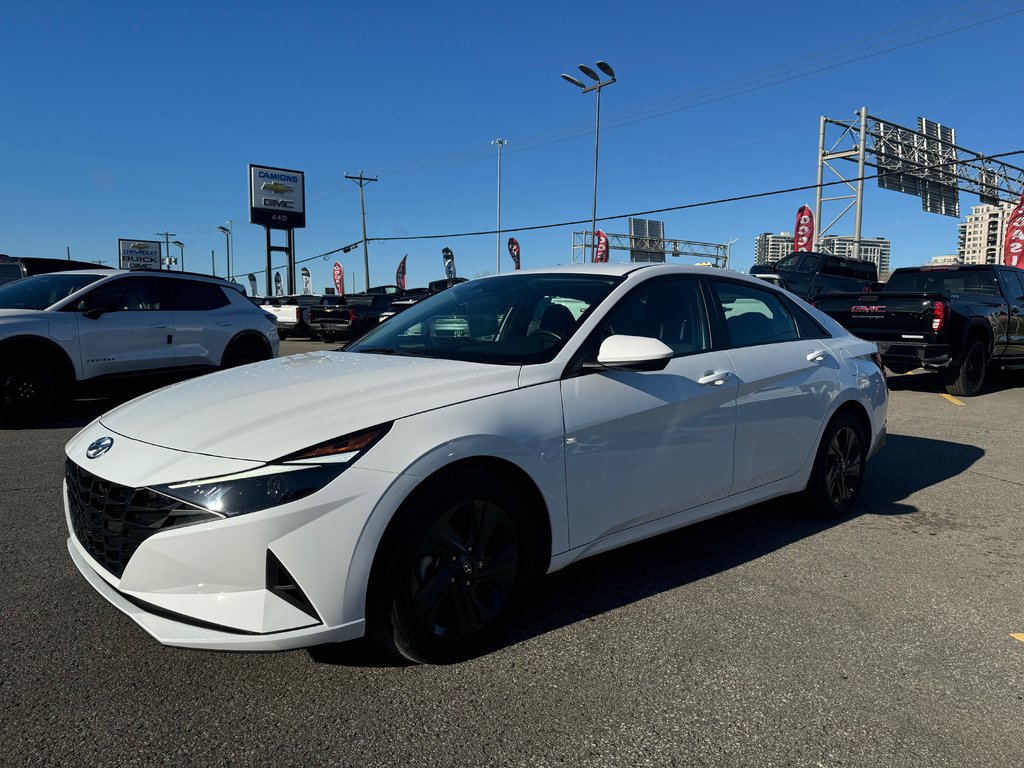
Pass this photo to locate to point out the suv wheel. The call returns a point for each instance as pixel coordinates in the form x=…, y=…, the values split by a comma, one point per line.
x=244, y=351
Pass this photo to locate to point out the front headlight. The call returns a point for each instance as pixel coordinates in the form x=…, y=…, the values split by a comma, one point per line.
x=278, y=482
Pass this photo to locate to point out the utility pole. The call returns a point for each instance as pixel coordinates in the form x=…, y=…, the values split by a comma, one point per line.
x=361, y=180
x=499, y=142
x=167, y=244
x=213, y=265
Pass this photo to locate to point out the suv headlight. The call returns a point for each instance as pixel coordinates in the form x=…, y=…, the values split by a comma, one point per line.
x=278, y=482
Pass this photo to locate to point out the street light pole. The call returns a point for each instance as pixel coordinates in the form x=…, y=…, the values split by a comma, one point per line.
x=181, y=251
x=597, y=86
x=227, y=246
x=499, y=143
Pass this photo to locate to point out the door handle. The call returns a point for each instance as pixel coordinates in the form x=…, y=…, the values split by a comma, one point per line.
x=816, y=356
x=715, y=378
x=224, y=325
x=159, y=325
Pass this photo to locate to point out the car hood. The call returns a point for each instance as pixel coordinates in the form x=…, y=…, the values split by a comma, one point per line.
x=266, y=410
x=6, y=314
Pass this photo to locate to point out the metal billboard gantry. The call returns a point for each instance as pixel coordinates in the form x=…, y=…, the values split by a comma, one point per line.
x=926, y=163
x=654, y=248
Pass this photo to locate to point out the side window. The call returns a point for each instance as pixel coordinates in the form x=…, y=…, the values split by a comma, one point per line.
x=128, y=294
x=809, y=263
x=192, y=295
x=753, y=316
x=1020, y=279
x=671, y=311
x=809, y=327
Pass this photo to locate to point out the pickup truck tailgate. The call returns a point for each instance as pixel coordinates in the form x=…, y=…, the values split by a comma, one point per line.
x=886, y=316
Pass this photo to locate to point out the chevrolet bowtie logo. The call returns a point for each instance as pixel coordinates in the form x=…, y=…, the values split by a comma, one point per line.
x=139, y=246
x=276, y=187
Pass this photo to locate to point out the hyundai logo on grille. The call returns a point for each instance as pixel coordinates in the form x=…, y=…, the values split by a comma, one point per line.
x=99, y=447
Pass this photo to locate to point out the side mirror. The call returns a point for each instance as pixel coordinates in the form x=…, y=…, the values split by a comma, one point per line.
x=96, y=312
x=636, y=353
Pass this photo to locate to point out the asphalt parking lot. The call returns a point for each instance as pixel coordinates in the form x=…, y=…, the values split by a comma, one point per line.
x=763, y=638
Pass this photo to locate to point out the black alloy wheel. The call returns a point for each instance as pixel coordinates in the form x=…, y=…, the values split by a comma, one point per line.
x=455, y=566
x=29, y=389
x=464, y=569
x=839, y=467
x=970, y=377
x=843, y=465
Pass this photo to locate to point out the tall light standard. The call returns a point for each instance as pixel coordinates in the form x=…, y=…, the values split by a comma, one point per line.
x=229, y=235
x=499, y=143
x=597, y=86
x=181, y=251
x=226, y=231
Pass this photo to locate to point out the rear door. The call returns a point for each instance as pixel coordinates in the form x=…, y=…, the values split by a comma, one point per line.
x=1012, y=282
x=787, y=378
x=134, y=332
x=204, y=320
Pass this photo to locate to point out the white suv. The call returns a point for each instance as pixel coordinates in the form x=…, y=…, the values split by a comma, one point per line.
x=64, y=328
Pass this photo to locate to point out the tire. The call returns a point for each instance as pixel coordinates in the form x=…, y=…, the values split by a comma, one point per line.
x=968, y=380
x=838, y=472
x=453, y=569
x=244, y=351
x=29, y=387
x=282, y=335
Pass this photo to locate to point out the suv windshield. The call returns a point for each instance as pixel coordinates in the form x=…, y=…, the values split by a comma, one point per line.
x=506, y=320
x=42, y=291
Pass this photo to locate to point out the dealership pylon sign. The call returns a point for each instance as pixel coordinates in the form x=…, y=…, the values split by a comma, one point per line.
x=277, y=197
x=138, y=254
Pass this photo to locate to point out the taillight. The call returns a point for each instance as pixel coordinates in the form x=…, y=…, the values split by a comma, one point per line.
x=298, y=314
x=351, y=315
x=939, y=309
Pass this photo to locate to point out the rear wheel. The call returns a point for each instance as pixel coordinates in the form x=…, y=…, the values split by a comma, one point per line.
x=244, y=351
x=452, y=573
x=838, y=472
x=968, y=380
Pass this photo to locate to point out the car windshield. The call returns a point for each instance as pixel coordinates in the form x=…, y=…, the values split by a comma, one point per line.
x=43, y=291
x=515, y=319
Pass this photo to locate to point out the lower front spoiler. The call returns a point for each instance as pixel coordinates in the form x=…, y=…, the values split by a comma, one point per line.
x=182, y=634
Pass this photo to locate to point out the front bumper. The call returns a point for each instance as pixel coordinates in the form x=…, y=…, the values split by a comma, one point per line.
x=217, y=584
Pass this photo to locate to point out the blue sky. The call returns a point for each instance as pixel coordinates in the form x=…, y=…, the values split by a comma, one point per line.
x=128, y=119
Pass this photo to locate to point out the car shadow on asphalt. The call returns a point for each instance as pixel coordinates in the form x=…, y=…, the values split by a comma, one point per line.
x=614, y=579
x=931, y=381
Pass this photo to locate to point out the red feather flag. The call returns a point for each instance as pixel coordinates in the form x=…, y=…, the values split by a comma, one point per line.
x=339, y=278
x=513, y=250
x=601, y=251
x=803, y=237
x=1013, y=245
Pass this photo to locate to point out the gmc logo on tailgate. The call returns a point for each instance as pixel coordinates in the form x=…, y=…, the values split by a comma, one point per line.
x=874, y=309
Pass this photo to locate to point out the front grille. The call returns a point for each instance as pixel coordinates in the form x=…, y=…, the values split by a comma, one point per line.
x=112, y=520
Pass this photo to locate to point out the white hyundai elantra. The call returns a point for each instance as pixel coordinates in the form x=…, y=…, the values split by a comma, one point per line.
x=413, y=486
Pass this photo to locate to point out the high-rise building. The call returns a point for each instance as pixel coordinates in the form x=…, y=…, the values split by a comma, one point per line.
x=876, y=249
x=981, y=236
x=769, y=248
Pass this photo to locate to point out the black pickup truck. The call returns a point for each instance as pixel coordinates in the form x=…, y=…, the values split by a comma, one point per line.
x=958, y=320
x=809, y=274
x=359, y=313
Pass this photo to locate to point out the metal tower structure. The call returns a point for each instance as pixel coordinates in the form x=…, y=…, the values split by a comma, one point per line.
x=655, y=246
x=926, y=162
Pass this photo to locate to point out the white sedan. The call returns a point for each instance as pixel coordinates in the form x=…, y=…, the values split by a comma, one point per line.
x=413, y=486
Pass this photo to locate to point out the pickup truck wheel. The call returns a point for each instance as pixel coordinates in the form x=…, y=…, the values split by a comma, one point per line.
x=282, y=335
x=242, y=352
x=29, y=389
x=460, y=562
x=838, y=472
x=969, y=378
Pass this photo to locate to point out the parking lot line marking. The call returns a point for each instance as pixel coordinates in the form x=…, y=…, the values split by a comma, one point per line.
x=952, y=399
x=1018, y=636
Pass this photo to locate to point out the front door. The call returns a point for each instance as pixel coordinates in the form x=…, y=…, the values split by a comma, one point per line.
x=132, y=332
x=641, y=445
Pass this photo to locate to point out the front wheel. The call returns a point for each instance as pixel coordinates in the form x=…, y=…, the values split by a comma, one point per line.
x=449, y=578
x=838, y=472
x=967, y=380
x=30, y=388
